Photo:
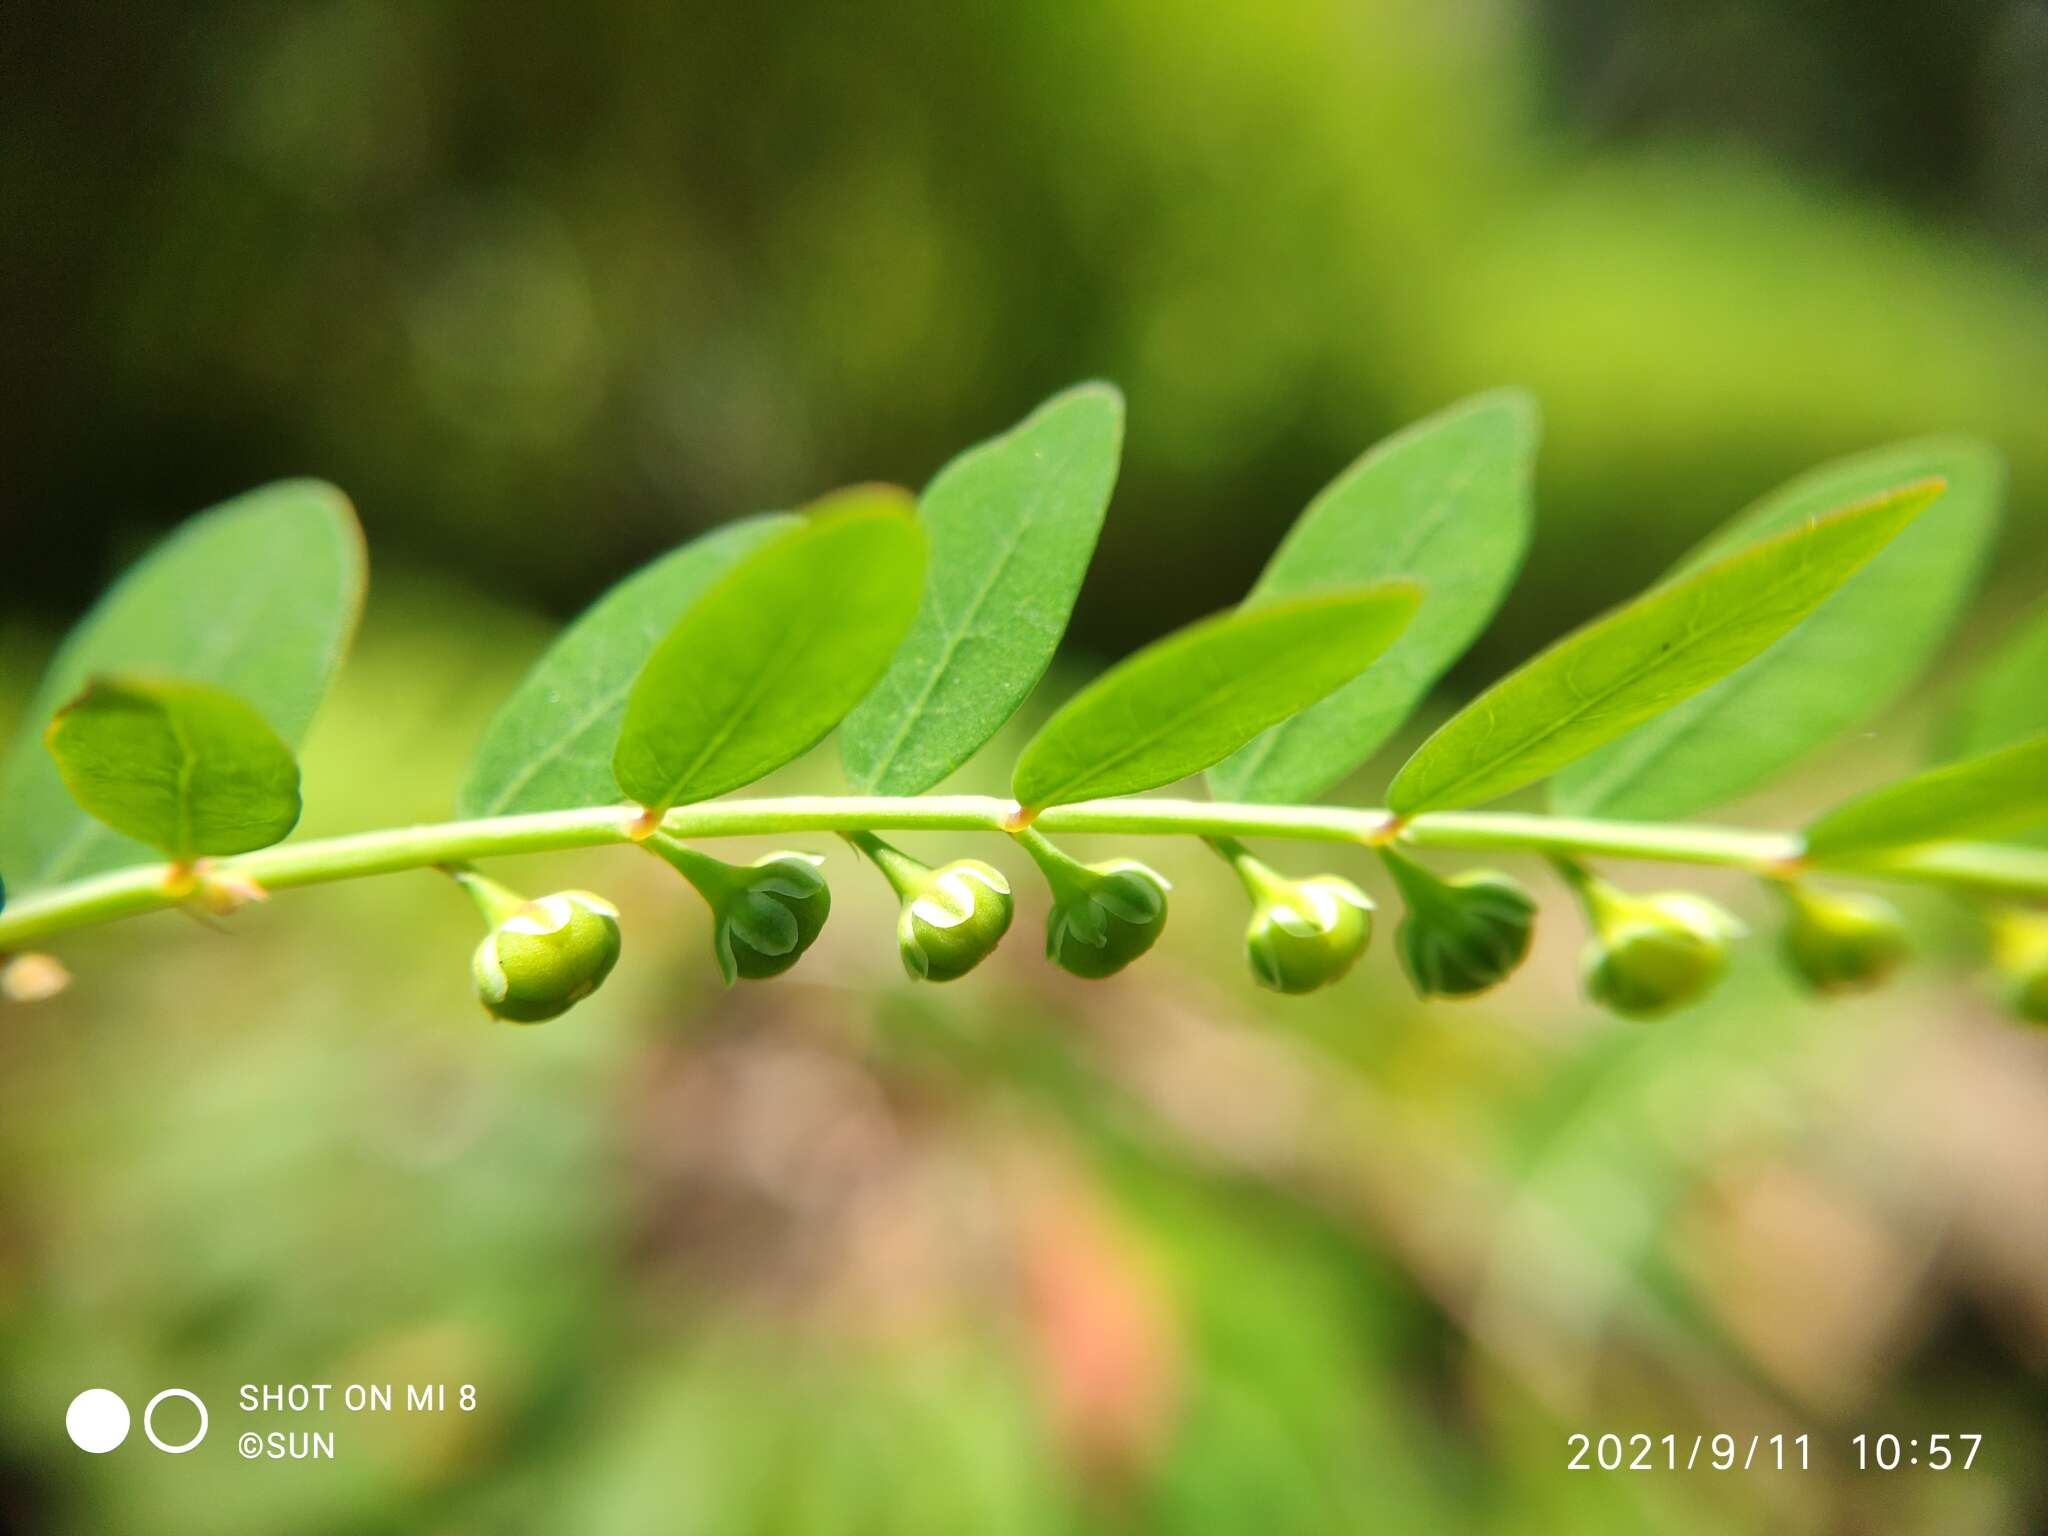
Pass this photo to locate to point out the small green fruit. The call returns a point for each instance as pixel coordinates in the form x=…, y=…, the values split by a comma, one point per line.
x=1463, y=934
x=547, y=956
x=1842, y=941
x=1304, y=934
x=2019, y=948
x=1308, y=935
x=1659, y=954
x=954, y=920
x=1649, y=954
x=2028, y=996
x=1104, y=916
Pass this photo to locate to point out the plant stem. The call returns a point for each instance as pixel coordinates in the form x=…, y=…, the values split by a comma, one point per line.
x=1063, y=872
x=1262, y=883
x=1989, y=869
x=494, y=902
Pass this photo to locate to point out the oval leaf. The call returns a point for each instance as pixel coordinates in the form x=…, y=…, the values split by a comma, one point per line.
x=1638, y=661
x=1012, y=524
x=2002, y=791
x=186, y=768
x=2008, y=701
x=1189, y=700
x=767, y=661
x=1859, y=651
x=550, y=746
x=258, y=596
x=1446, y=503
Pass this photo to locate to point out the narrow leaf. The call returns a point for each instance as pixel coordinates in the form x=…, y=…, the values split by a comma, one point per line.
x=1638, y=661
x=550, y=746
x=258, y=596
x=2008, y=700
x=769, y=659
x=1855, y=656
x=1189, y=700
x=1445, y=503
x=189, y=769
x=2002, y=791
x=1012, y=525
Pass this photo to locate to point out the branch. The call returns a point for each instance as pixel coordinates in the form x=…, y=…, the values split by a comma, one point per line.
x=1988, y=869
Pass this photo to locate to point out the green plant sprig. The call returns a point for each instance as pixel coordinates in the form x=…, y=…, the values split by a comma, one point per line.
x=916, y=626
x=1985, y=869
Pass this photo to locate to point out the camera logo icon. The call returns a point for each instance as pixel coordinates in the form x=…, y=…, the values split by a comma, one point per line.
x=98, y=1421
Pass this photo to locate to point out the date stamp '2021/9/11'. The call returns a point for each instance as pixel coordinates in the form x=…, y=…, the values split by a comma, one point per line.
x=1611, y=1452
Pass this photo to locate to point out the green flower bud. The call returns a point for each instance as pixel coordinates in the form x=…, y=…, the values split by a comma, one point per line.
x=764, y=914
x=772, y=921
x=1651, y=954
x=956, y=921
x=1103, y=915
x=1311, y=937
x=2019, y=948
x=1303, y=934
x=953, y=916
x=1841, y=941
x=1115, y=913
x=541, y=957
x=1462, y=934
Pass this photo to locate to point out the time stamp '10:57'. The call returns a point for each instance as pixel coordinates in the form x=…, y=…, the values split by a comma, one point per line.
x=1887, y=1453
x=1765, y=1453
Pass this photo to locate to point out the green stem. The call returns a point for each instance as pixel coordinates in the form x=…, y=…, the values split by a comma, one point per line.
x=1990, y=869
x=494, y=902
x=1601, y=902
x=1421, y=889
x=1262, y=882
x=1063, y=872
x=906, y=876
x=713, y=879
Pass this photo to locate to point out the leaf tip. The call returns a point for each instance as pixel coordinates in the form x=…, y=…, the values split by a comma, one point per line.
x=1516, y=401
x=1103, y=391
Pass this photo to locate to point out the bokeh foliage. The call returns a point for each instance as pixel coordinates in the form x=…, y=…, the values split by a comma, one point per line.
x=657, y=267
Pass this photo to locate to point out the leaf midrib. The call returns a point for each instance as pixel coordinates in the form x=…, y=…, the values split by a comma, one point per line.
x=188, y=766
x=1104, y=765
x=954, y=640
x=1208, y=701
x=1426, y=530
x=556, y=750
x=221, y=642
x=1585, y=704
x=764, y=679
x=1627, y=768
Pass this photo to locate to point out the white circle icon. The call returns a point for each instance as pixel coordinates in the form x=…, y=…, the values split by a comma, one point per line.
x=97, y=1421
x=149, y=1425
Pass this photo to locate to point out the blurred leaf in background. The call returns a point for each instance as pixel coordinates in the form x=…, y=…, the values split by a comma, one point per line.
x=547, y=298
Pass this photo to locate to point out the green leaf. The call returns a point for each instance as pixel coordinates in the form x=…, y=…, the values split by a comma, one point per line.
x=1189, y=700
x=2002, y=791
x=258, y=596
x=189, y=769
x=1446, y=503
x=2008, y=700
x=1012, y=524
x=1617, y=672
x=1855, y=656
x=550, y=746
x=768, y=660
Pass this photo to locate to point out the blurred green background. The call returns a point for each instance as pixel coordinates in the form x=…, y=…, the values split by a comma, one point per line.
x=549, y=288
